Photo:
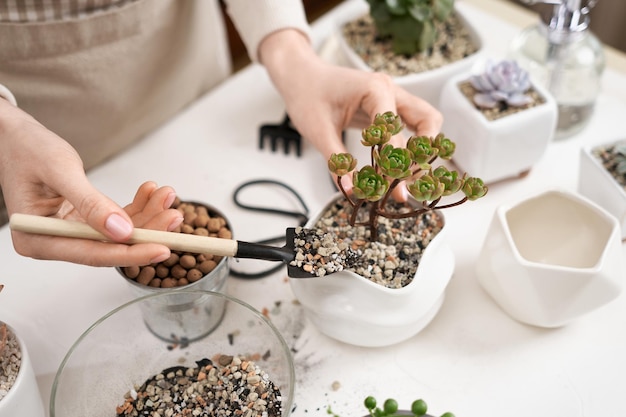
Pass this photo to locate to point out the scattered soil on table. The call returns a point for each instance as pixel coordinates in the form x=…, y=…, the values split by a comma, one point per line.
x=453, y=44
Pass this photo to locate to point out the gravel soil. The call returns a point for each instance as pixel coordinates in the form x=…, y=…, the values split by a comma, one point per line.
x=391, y=261
x=10, y=359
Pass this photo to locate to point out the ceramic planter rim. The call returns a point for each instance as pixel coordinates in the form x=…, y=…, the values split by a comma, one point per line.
x=576, y=197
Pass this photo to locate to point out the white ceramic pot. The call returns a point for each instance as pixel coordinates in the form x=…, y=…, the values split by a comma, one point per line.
x=551, y=258
x=597, y=184
x=427, y=84
x=498, y=149
x=357, y=311
x=23, y=399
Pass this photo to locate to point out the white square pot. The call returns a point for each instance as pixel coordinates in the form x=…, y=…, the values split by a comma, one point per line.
x=597, y=184
x=499, y=149
x=551, y=258
x=428, y=84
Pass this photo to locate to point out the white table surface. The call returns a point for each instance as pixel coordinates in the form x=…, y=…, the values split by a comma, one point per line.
x=472, y=359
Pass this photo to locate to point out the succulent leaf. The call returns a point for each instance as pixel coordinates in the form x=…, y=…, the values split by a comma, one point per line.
x=375, y=135
x=369, y=185
x=392, y=122
x=342, y=163
x=450, y=179
x=426, y=188
x=394, y=162
x=422, y=150
x=474, y=188
x=444, y=146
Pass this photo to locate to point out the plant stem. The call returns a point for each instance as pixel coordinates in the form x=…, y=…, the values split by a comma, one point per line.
x=461, y=201
x=393, y=185
x=343, y=191
x=355, y=211
x=373, y=220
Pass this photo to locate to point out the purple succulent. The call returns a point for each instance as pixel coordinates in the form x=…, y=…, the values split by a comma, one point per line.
x=504, y=81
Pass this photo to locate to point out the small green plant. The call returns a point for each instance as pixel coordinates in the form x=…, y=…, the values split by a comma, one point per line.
x=390, y=165
x=390, y=408
x=409, y=23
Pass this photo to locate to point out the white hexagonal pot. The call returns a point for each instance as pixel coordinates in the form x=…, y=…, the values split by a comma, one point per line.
x=551, y=258
x=498, y=149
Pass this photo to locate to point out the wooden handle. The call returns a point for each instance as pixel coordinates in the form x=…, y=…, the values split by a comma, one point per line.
x=177, y=241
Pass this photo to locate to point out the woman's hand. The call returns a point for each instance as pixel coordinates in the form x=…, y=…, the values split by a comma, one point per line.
x=323, y=99
x=42, y=174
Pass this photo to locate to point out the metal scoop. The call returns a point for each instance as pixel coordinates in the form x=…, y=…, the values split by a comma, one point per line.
x=176, y=241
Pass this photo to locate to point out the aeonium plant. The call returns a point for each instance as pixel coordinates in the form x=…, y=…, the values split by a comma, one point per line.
x=390, y=166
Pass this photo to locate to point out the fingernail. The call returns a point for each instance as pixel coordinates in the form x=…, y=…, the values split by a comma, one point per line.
x=118, y=227
x=160, y=258
x=175, y=223
x=169, y=200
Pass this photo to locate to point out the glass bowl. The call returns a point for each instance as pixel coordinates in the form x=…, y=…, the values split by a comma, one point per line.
x=105, y=368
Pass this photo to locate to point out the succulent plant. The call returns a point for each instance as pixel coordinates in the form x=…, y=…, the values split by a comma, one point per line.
x=390, y=166
x=390, y=408
x=503, y=82
x=409, y=23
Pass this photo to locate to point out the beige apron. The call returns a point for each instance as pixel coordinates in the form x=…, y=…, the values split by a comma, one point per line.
x=104, y=81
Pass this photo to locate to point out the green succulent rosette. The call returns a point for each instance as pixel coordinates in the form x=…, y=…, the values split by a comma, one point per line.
x=474, y=188
x=426, y=188
x=375, y=135
x=368, y=184
x=392, y=122
x=394, y=162
x=341, y=163
x=422, y=150
x=450, y=179
x=445, y=146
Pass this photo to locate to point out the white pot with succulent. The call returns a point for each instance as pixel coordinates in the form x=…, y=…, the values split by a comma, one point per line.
x=503, y=120
x=420, y=43
x=19, y=392
x=602, y=178
x=390, y=262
